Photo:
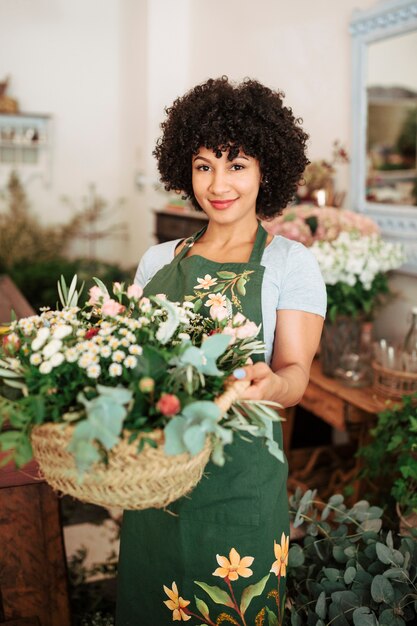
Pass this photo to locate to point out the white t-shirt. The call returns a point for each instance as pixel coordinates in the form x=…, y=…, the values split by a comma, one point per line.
x=292, y=280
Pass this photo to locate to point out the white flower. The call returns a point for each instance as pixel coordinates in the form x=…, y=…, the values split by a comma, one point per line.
x=86, y=360
x=41, y=336
x=114, y=343
x=130, y=362
x=105, y=351
x=35, y=358
x=135, y=349
x=184, y=336
x=45, y=367
x=71, y=355
x=115, y=369
x=93, y=371
x=51, y=348
x=56, y=359
x=118, y=356
x=62, y=331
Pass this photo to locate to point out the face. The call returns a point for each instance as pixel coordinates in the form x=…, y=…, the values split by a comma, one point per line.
x=226, y=190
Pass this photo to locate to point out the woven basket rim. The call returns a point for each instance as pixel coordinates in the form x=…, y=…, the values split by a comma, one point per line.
x=394, y=373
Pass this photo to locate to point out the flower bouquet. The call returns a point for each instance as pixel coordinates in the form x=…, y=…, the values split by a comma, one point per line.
x=352, y=256
x=123, y=400
x=354, y=261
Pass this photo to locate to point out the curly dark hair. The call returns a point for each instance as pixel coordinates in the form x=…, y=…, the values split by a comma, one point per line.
x=224, y=117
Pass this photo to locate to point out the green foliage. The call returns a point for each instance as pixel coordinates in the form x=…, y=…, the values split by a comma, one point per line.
x=347, y=570
x=37, y=279
x=344, y=299
x=390, y=459
x=92, y=603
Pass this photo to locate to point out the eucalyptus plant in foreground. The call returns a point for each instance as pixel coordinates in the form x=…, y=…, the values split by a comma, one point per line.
x=347, y=569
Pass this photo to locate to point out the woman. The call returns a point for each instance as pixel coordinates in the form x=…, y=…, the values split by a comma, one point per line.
x=238, y=154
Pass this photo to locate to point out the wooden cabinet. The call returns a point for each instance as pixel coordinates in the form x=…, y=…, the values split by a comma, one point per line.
x=177, y=223
x=33, y=575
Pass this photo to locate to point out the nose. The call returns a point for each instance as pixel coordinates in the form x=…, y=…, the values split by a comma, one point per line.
x=219, y=183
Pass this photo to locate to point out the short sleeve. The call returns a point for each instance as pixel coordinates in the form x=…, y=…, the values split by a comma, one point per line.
x=302, y=287
x=142, y=273
x=153, y=260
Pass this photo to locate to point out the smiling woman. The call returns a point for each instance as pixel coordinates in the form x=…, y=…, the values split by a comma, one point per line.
x=238, y=154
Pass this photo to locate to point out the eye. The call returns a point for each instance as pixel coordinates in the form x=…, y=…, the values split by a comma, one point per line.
x=236, y=167
x=203, y=168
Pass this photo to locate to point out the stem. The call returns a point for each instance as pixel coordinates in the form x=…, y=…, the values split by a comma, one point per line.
x=206, y=620
x=277, y=599
x=229, y=584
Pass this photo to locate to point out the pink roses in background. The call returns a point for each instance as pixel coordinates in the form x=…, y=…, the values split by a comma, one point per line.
x=308, y=223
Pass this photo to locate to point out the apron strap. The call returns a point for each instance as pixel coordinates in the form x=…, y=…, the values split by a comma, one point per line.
x=257, y=250
x=259, y=245
x=190, y=241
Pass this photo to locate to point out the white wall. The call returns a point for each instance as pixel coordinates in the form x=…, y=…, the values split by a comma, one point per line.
x=82, y=62
x=105, y=69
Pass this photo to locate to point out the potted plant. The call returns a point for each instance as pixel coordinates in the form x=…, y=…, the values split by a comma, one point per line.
x=122, y=381
x=390, y=459
x=348, y=570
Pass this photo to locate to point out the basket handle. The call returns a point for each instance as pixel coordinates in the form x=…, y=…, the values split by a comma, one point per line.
x=233, y=392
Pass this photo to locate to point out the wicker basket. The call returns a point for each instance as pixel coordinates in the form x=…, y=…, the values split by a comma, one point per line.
x=393, y=383
x=130, y=480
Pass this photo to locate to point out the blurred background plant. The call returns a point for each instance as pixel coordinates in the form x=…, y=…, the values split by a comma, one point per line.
x=34, y=255
x=319, y=175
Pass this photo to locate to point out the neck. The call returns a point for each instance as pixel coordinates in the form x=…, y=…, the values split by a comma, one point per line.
x=226, y=234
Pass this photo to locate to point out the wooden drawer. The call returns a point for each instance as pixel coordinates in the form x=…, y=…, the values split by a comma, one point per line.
x=170, y=227
x=327, y=406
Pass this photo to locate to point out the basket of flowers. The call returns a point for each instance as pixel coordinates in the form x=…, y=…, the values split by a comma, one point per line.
x=122, y=401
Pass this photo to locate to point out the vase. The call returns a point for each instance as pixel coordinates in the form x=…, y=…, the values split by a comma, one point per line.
x=339, y=338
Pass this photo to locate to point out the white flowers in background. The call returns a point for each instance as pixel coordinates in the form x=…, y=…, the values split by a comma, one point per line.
x=351, y=258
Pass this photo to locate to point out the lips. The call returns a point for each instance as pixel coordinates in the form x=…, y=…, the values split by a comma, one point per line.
x=222, y=204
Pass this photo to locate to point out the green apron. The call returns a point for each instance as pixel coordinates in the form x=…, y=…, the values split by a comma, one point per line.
x=242, y=505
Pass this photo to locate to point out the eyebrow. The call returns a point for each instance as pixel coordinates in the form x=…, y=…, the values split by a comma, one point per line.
x=239, y=156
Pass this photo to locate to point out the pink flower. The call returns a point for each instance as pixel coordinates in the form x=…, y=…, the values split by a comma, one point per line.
x=134, y=292
x=238, y=319
x=249, y=329
x=111, y=307
x=218, y=313
x=168, y=404
x=96, y=295
x=11, y=344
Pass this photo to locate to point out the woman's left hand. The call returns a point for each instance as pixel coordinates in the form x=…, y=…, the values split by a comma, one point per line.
x=265, y=384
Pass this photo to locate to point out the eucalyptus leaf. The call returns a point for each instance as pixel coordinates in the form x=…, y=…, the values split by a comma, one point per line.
x=174, y=436
x=321, y=607
x=363, y=616
x=295, y=556
x=382, y=590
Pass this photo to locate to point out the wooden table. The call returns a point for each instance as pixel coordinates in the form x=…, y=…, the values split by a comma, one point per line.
x=346, y=409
